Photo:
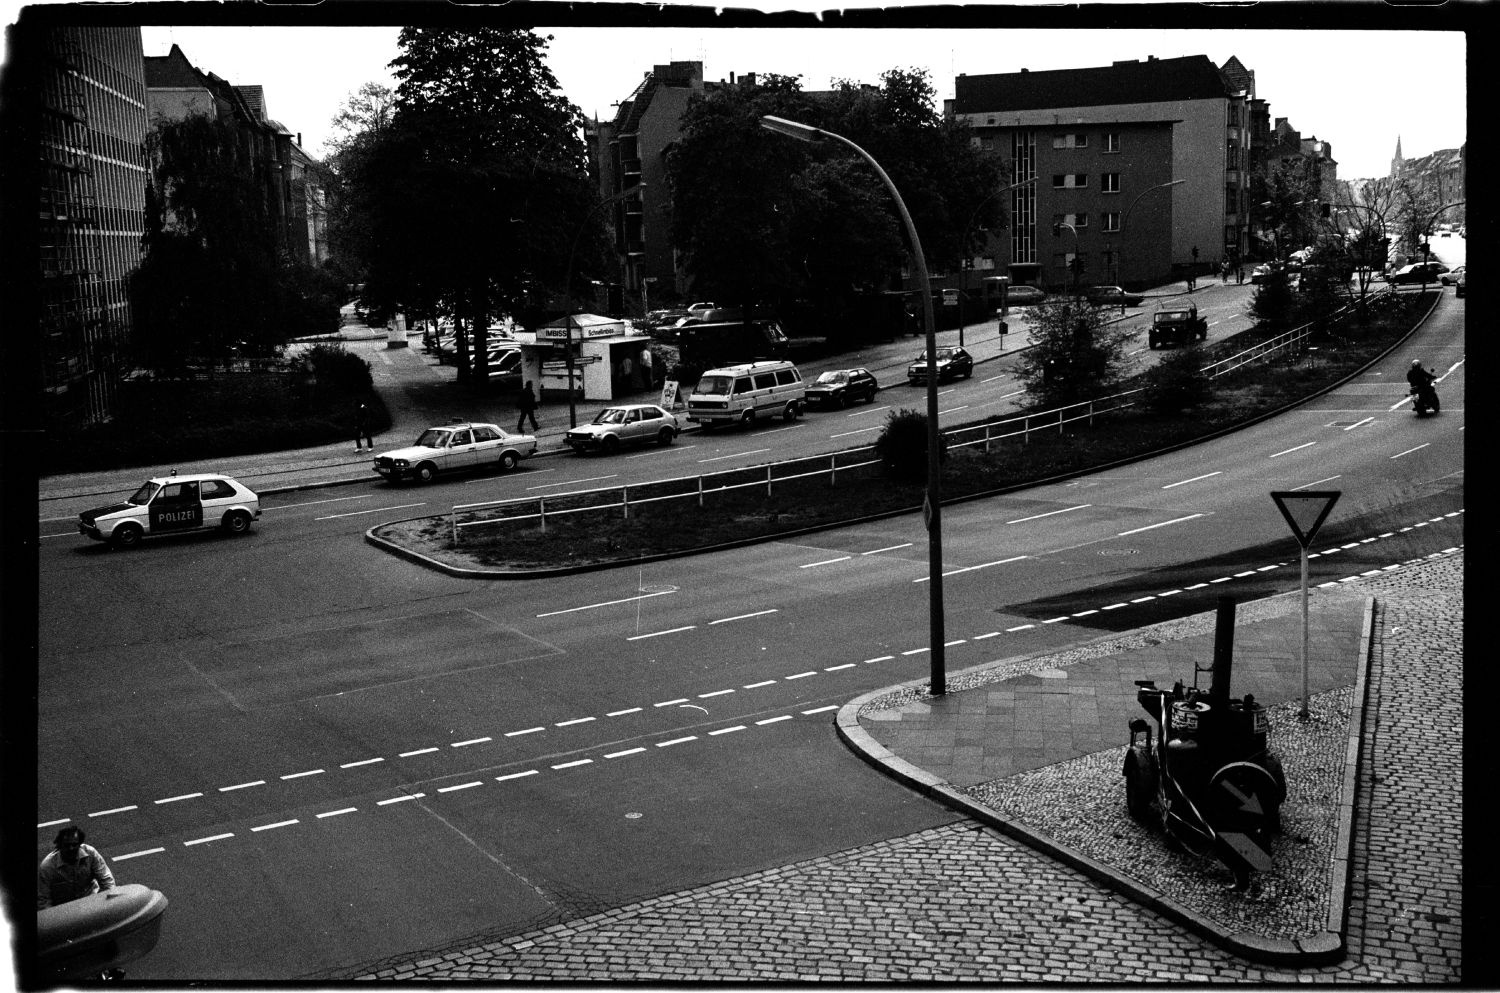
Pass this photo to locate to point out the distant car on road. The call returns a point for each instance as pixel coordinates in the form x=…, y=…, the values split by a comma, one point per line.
x=841, y=387
x=1176, y=324
x=171, y=505
x=952, y=362
x=1418, y=272
x=1020, y=296
x=1112, y=296
x=457, y=447
x=627, y=424
x=1451, y=276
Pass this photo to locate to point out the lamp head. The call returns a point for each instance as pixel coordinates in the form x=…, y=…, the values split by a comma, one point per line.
x=792, y=129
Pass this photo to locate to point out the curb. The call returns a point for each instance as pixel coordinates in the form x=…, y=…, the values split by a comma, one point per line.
x=1327, y=947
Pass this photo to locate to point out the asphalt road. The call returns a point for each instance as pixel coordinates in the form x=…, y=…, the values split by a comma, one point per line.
x=325, y=755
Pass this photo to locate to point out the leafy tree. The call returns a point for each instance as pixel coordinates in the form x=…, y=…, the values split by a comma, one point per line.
x=1176, y=383
x=366, y=112
x=1076, y=354
x=1287, y=205
x=469, y=199
x=902, y=445
x=1417, y=203
x=1273, y=301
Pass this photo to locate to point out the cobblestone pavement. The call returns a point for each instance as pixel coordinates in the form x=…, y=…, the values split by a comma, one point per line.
x=963, y=903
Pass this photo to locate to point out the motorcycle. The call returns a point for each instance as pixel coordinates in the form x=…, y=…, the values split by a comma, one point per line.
x=1425, y=399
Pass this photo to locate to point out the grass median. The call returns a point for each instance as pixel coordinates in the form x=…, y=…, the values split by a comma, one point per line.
x=619, y=526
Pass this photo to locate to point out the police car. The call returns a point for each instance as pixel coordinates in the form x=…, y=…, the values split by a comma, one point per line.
x=173, y=504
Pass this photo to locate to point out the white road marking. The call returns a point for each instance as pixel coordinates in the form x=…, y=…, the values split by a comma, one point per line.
x=991, y=634
x=351, y=765
x=576, y=720
x=1050, y=513
x=471, y=741
x=742, y=617
x=299, y=775
x=242, y=786
x=622, y=713
x=113, y=810
x=61, y=820
x=1207, y=475
x=705, y=696
x=131, y=855
x=400, y=799
x=1152, y=527
x=516, y=734
x=661, y=451
x=800, y=675
x=676, y=741
x=774, y=720
x=737, y=727
x=916, y=651
x=836, y=668
x=212, y=837
x=820, y=710
x=1019, y=627
x=888, y=548
x=973, y=568
x=628, y=751
x=335, y=813
x=856, y=413
x=1410, y=450
x=419, y=751
x=658, y=634
x=278, y=824
x=184, y=796
x=842, y=558
x=1288, y=451
x=314, y=503
x=1115, y=606
x=375, y=510
x=575, y=762
x=607, y=603
x=1317, y=482
x=573, y=482
x=1356, y=424
x=845, y=434
x=671, y=703
x=756, y=686
x=880, y=658
x=735, y=455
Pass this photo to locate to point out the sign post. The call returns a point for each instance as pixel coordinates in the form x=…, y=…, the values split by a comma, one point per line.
x=669, y=394
x=1305, y=512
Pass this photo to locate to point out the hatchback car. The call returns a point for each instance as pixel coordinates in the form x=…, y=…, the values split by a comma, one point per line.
x=1020, y=296
x=841, y=387
x=1451, y=276
x=174, y=504
x=455, y=447
x=952, y=362
x=1112, y=296
x=627, y=424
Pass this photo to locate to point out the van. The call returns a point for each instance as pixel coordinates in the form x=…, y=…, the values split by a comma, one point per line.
x=721, y=343
x=738, y=394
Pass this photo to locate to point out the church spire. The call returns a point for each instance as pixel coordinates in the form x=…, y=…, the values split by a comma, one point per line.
x=1398, y=161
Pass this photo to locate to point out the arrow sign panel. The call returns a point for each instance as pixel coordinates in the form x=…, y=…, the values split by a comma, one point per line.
x=1305, y=510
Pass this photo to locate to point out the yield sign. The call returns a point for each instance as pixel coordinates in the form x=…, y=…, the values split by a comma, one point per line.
x=1305, y=510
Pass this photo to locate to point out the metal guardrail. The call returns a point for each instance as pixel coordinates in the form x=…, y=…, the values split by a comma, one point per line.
x=700, y=487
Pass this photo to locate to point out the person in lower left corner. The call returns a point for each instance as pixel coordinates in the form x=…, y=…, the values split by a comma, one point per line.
x=362, y=427
x=71, y=870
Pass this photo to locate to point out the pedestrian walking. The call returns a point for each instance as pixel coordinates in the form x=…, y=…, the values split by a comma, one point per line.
x=362, y=427
x=71, y=870
x=526, y=404
x=648, y=372
x=1192, y=282
x=1224, y=271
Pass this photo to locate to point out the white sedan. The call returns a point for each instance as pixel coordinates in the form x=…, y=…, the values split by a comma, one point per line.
x=456, y=447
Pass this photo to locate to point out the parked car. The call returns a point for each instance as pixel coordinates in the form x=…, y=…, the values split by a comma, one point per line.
x=1418, y=272
x=1451, y=276
x=627, y=424
x=952, y=362
x=1259, y=274
x=171, y=505
x=693, y=308
x=1020, y=296
x=1459, y=287
x=456, y=447
x=505, y=367
x=1176, y=324
x=1112, y=296
x=841, y=387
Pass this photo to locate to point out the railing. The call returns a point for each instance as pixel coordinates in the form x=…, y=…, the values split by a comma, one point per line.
x=853, y=460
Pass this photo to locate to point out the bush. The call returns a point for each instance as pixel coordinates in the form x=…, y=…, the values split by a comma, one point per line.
x=1177, y=383
x=1273, y=301
x=338, y=370
x=902, y=445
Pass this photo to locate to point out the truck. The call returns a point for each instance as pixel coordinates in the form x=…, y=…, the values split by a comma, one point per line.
x=723, y=342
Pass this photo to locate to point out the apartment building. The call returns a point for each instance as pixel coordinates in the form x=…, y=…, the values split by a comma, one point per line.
x=90, y=120
x=1137, y=169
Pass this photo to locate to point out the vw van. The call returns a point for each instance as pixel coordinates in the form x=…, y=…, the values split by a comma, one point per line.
x=741, y=394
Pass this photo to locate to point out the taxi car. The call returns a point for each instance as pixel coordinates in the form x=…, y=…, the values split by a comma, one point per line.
x=627, y=424
x=456, y=447
x=952, y=362
x=171, y=505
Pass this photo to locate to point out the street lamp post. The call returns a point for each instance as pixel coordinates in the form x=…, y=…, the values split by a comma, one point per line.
x=968, y=231
x=568, y=288
x=932, y=509
x=1072, y=263
x=1126, y=216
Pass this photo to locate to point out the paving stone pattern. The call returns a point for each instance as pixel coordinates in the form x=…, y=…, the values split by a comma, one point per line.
x=963, y=903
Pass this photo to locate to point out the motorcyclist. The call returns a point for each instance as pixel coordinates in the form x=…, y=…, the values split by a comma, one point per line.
x=1419, y=378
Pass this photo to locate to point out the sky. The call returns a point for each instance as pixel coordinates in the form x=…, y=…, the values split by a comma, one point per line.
x=1336, y=85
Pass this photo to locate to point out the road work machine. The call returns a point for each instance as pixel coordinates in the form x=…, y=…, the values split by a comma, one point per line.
x=1207, y=776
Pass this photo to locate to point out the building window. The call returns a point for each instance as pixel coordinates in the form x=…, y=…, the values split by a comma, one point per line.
x=1070, y=181
x=1231, y=200
x=1109, y=182
x=1111, y=141
x=1070, y=141
x=1111, y=220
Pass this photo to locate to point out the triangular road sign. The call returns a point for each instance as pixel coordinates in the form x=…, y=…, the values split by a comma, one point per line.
x=1305, y=510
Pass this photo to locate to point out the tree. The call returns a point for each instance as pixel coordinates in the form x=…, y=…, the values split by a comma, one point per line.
x=1417, y=204
x=1076, y=354
x=1273, y=301
x=365, y=113
x=1287, y=203
x=469, y=199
